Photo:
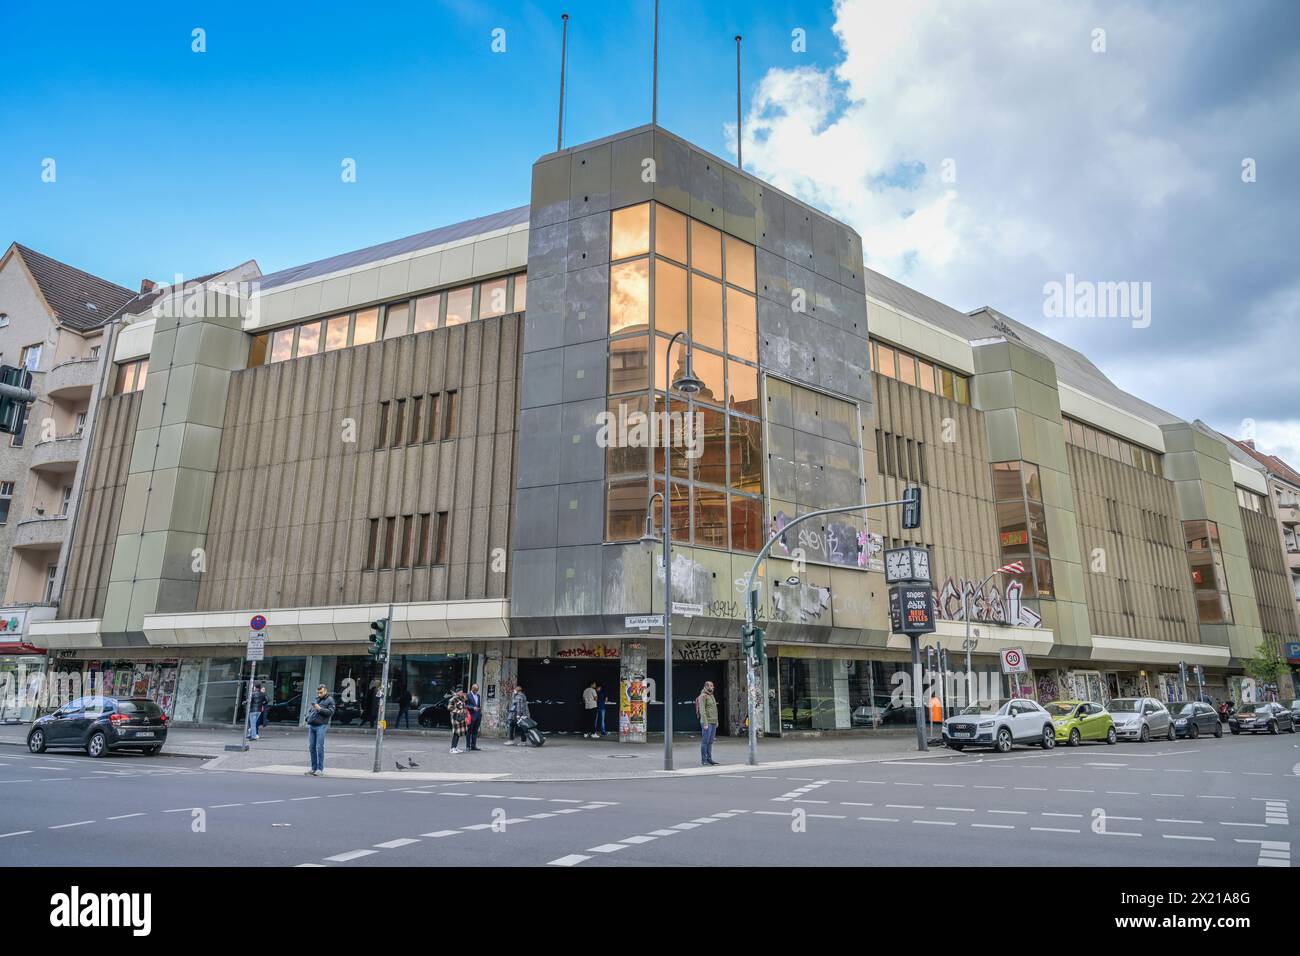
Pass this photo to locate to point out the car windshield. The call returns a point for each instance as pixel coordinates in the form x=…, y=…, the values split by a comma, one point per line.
x=1125, y=705
x=1252, y=708
x=1060, y=708
x=1177, y=708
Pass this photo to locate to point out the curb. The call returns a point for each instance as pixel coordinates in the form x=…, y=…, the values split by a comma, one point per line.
x=167, y=753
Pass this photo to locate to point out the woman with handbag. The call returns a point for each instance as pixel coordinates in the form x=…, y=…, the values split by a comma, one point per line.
x=459, y=714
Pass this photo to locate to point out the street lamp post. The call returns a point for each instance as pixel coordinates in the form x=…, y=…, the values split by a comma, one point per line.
x=965, y=613
x=686, y=384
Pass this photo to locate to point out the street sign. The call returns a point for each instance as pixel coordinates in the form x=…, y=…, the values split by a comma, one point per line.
x=1013, y=660
x=258, y=623
x=687, y=610
x=644, y=621
x=256, y=649
x=911, y=610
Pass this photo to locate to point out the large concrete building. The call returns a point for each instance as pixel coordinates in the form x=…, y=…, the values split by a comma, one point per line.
x=448, y=423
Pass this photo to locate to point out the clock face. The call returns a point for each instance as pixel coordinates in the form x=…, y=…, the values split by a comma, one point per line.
x=921, y=562
x=898, y=565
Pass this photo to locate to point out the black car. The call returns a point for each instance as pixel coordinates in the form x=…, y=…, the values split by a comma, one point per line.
x=99, y=725
x=1192, y=718
x=436, y=714
x=1260, y=718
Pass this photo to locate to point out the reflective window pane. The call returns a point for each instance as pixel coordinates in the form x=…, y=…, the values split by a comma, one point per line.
x=711, y=518
x=742, y=325
x=492, y=299
x=885, y=361
x=706, y=312
x=397, y=320
x=670, y=233
x=906, y=368
x=961, y=387
x=709, y=445
x=745, y=455
x=629, y=364
x=309, y=339
x=629, y=296
x=426, y=312
x=740, y=263
x=670, y=297
x=679, y=510
x=625, y=510
x=678, y=431
x=366, y=327
x=256, y=351
x=925, y=376
x=282, y=345
x=708, y=369
x=521, y=292
x=742, y=388
x=629, y=232
x=947, y=387
x=460, y=306
x=1033, y=486
x=746, y=524
x=706, y=249
x=627, y=444
x=336, y=332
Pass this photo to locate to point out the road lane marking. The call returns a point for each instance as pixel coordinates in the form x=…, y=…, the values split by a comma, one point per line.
x=1053, y=830
x=221, y=806
x=14, y=833
x=79, y=823
x=126, y=816
x=994, y=826
x=394, y=844
x=637, y=840
x=573, y=859
x=350, y=855
x=1176, y=820
x=440, y=833
x=668, y=833
x=880, y=819
x=937, y=823
x=1181, y=836
x=607, y=848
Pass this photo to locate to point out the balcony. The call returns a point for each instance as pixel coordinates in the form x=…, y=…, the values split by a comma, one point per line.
x=60, y=455
x=1289, y=513
x=72, y=380
x=41, y=532
x=1293, y=559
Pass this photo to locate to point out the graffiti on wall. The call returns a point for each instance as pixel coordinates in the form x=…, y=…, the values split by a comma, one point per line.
x=801, y=603
x=699, y=650
x=590, y=650
x=991, y=606
x=840, y=542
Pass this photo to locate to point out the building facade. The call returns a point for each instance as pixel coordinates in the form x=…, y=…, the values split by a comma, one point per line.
x=472, y=425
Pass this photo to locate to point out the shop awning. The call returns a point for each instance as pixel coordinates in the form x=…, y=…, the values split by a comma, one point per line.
x=20, y=647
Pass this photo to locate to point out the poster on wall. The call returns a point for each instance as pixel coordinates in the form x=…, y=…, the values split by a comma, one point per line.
x=631, y=708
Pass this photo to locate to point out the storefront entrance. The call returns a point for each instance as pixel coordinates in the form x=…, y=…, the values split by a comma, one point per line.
x=554, y=692
x=688, y=681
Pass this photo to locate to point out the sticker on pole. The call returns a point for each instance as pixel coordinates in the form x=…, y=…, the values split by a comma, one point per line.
x=1013, y=661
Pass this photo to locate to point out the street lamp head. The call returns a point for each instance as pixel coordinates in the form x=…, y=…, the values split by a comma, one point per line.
x=688, y=384
x=649, y=539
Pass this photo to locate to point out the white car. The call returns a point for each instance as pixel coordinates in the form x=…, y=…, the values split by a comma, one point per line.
x=1018, y=721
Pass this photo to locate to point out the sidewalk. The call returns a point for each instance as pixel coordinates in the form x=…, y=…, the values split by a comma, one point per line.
x=563, y=758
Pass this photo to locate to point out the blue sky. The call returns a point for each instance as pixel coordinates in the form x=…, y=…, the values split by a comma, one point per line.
x=170, y=160
x=983, y=148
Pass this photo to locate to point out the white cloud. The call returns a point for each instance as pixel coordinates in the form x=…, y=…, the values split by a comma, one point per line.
x=1114, y=166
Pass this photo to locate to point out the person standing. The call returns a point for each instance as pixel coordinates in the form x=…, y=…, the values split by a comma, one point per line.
x=403, y=707
x=589, y=711
x=518, y=710
x=707, y=707
x=318, y=721
x=474, y=704
x=458, y=713
x=602, y=699
x=256, y=711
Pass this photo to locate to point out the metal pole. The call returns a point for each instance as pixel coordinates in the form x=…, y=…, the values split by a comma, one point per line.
x=752, y=601
x=383, y=690
x=965, y=613
x=564, y=45
x=922, y=741
x=248, y=703
x=739, y=162
x=668, y=561
x=654, y=82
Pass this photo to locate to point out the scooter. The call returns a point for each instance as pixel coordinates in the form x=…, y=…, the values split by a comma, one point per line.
x=530, y=732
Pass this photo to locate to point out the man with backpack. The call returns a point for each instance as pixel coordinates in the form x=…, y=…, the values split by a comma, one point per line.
x=706, y=708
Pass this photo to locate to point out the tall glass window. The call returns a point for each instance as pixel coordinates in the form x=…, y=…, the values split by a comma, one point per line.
x=1022, y=524
x=1209, y=576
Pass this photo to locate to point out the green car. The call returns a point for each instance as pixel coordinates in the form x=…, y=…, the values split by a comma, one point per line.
x=1080, y=720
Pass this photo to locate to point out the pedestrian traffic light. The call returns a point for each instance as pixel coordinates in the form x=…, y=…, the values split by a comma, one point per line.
x=751, y=640
x=379, y=639
x=13, y=404
x=912, y=507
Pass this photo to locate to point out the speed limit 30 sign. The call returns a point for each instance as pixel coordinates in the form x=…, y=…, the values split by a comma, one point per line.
x=1013, y=661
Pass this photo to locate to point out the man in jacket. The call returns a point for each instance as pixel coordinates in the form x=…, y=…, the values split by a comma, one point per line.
x=318, y=721
x=256, y=709
x=474, y=704
x=589, y=710
x=518, y=710
x=707, y=707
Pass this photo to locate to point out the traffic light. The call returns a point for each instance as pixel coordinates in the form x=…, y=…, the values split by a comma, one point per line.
x=13, y=404
x=912, y=507
x=379, y=639
x=751, y=641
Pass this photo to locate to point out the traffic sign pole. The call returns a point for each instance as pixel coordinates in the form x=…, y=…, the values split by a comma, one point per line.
x=381, y=702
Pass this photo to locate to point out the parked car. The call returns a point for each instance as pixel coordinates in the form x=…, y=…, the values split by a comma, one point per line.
x=1192, y=718
x=1260, y=718
x=1018, y=721
x=436, y=714
x=1140, y=718
x=99, y=725
x=1078, y=720
x=1295, y=710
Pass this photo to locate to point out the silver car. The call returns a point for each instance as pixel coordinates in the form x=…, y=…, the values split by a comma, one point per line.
x=1140, y=718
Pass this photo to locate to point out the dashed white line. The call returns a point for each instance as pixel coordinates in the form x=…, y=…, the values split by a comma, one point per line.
x=573, y=859
x=64, y=826
x=394, y=844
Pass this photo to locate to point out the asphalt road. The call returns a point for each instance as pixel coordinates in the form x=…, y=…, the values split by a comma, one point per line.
x=1222, y=802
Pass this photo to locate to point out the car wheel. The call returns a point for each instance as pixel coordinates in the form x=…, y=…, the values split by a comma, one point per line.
x=1003, y=742
x=1195, y=731
x=955, y=746
x=1173, y=734
x=1145, y=735
x=1111, y=738
x=1235, y=731
x=1218, y=731
x=1075, y=737
x=1272, y=728
x=1049, y=737
x=97, y=746
x=1291, y=729
x=36, y=741
x=152, y=751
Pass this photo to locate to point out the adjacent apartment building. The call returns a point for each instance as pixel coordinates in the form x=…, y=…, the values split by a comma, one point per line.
x=456, y=424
